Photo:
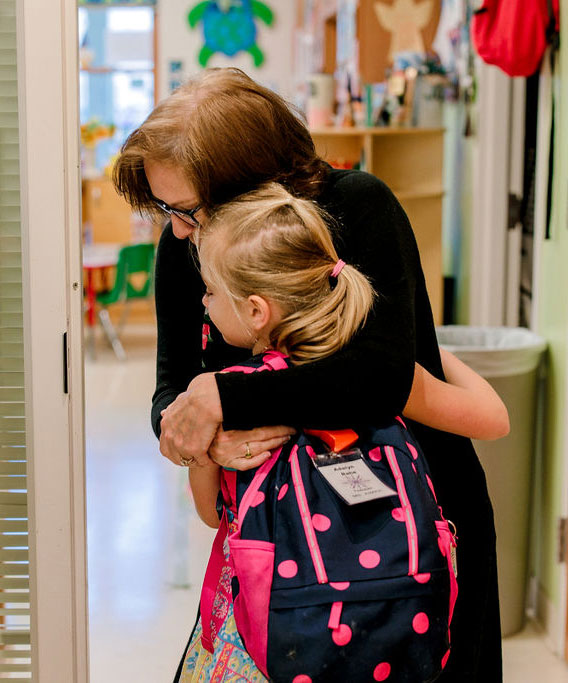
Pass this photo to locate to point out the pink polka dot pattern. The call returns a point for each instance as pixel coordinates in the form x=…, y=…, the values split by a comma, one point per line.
x=310, y=451
x=445, y=659
x=414, y=468
x=420, y=623
x=412, y=450
x=340, y=585
x=342, y=635
x=382, y=671
x=287, y=569
x=321, y=522
x=375, y=454
x=369, y=559
x=398, y=514
x=283, y=491
x=258, y=499
x=302, y=678
x=422, y=578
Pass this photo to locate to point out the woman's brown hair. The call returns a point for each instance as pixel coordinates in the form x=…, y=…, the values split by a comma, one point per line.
x=277, y=246
x=228, y=134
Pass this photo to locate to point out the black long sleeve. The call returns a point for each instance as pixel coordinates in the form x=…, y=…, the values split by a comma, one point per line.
x=366, y=382
x=370, y=379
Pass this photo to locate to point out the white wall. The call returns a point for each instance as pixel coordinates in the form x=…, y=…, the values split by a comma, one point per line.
x=178, y=42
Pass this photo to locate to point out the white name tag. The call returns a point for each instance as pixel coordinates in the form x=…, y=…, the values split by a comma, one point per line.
x=350, y=477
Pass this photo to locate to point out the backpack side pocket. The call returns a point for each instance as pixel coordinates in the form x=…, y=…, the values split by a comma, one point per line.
x=253, y=562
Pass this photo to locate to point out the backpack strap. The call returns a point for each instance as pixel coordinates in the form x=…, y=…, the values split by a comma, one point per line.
x=275, y=360
x=211, y=581
x=256, y=483
x=306, y=517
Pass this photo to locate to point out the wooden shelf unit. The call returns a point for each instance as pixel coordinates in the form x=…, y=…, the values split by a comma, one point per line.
x=410, y=162
x=110, y=219
x=106, y=211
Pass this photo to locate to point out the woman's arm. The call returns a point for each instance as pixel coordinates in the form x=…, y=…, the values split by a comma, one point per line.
x=466, y=404
x=205, y=486
x=370, y=379
x=179, y=312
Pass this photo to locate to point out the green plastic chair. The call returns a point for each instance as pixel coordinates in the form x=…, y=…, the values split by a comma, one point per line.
x=135, y=259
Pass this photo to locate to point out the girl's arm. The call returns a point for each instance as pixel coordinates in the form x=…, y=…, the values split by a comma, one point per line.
x=466, y=404
x=205, y=486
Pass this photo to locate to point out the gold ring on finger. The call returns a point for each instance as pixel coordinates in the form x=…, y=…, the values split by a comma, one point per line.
x=248, y=454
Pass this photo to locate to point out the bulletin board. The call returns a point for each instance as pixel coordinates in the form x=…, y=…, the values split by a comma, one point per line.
x=387, y=26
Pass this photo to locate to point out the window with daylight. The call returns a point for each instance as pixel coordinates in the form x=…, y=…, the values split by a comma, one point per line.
x=117, y=76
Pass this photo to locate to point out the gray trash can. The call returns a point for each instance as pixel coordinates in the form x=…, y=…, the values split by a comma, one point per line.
x=509, y=358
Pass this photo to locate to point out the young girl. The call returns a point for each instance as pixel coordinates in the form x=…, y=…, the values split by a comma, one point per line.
x=274, y=281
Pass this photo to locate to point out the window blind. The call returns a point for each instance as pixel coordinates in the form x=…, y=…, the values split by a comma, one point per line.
x=15, y=651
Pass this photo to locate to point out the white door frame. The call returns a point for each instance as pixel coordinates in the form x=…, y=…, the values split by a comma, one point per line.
x=498, y=170
x=516, y=188
x=51, y=265
x=489, y=248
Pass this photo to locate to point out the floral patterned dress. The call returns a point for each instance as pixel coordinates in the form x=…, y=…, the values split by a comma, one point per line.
x=230, y=662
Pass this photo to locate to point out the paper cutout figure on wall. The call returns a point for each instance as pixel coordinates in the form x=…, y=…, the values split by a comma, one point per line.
x=229, y=27
x=405, y=19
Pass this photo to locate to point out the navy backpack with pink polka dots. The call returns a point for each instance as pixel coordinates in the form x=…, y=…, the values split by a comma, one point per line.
x=327, y=591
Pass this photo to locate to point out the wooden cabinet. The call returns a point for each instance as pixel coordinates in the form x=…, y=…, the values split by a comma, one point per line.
x=410, y=162
x=107, y=213
x=110, y=220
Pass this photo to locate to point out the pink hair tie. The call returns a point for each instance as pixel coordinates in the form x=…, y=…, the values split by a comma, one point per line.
x=337, y=268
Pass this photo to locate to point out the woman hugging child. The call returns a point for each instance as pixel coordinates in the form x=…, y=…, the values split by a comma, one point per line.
x=275, y=285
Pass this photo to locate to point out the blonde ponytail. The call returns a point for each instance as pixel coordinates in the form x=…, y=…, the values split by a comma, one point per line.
x=279, y=247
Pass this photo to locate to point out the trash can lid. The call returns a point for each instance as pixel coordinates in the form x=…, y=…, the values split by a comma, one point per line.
x=493, y=351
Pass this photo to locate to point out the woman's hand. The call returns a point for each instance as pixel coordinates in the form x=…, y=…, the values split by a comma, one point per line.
x=190, y=423
x=245, y=449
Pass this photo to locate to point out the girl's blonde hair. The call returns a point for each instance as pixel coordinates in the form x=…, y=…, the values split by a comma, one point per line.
x=277, y=246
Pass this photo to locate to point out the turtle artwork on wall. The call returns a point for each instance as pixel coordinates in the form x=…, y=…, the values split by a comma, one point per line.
x=229, y=27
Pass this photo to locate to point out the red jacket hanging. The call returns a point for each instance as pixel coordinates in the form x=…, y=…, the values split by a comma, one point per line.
x=513, y=34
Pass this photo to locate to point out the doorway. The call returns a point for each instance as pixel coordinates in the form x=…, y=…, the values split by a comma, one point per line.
x=137, y=509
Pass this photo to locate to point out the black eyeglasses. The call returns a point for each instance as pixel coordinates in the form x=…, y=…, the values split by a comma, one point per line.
x=186, y=215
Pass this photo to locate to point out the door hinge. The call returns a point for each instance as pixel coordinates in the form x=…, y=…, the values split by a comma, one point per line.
x=562, y=538
x=515, y=210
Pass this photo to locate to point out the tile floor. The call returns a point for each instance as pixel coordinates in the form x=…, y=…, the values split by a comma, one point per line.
x=147, y=548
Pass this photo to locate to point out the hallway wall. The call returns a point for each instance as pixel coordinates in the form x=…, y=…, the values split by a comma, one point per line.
x=552, y=323
x=178, y=42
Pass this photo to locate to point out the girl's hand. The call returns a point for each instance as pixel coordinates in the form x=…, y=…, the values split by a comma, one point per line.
x=243, y=450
